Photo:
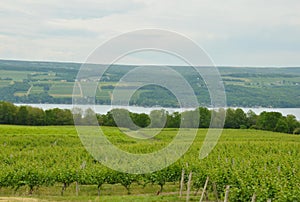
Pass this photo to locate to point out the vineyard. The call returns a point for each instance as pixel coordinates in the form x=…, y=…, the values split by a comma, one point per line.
x=50, y=163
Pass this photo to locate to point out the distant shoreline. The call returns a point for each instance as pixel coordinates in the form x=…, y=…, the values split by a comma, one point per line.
x=102, y=109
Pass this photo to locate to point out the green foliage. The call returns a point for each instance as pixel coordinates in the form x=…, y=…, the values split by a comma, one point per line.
x=22, y=116
x=58, y=117
x=173, y=120
x=158, y=118
x=53, y=83
x=205, y=117
x=297, y=131
x=260, y=162
x=268, y=120
x=7, y=113
x=235, y=118
x=282, y=126
x=142, y=120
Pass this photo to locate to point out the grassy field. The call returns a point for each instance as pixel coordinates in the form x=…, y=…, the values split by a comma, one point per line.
x=250, y=161
x=4, y=83
x=63, y=88
x=15, y=75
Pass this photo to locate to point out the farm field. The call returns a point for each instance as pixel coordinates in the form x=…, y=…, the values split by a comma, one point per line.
x=54, y=82
x=46, y=163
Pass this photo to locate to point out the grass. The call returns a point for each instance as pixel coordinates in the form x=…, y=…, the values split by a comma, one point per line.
x=4, y=83
x=147, y=198
x=36, y=90
x=62, y=88
x=20, y=93
x=15, y=75
x=108, y=193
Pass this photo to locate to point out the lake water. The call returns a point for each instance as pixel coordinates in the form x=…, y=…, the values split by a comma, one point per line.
x=103, y=109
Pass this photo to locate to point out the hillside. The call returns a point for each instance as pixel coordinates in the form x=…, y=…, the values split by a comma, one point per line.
x=53, y=82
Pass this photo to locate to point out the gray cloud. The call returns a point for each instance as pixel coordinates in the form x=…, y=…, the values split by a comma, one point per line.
x=234, y=32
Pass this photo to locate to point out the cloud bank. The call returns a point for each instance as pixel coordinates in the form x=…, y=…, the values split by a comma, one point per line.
x=233, y=32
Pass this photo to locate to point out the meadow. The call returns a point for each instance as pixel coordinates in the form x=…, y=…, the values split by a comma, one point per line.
x=50, y=163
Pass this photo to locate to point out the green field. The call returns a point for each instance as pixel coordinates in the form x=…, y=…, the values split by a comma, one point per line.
x=62, y=88
x=15, y=75
x=36, y=90
x=4, y=83
x=36, y=161
x=53, y=82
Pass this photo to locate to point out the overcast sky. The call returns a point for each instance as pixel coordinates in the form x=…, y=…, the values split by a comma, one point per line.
x=233, y=32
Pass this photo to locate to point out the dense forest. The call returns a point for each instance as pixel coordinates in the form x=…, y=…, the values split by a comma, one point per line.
x=235, y=118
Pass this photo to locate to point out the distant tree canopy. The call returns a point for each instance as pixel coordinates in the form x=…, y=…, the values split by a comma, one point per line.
x=26, y=115
x=235, y=118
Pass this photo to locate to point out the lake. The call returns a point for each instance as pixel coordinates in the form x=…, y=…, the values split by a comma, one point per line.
x=103, y=109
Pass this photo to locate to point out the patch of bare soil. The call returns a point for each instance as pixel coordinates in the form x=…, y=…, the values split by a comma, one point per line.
x=18, y=199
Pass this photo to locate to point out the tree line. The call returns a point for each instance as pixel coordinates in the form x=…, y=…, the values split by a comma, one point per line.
x=235, y=118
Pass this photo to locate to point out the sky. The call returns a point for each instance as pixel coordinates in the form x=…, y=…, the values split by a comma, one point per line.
x=232, y=32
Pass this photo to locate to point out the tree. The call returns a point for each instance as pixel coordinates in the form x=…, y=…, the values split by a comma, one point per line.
x=158, y=118
x=292, y=123
x=190, y=119
x=36, y=116
x=173, y=120
x=240, y=117
x=122, y=118
x=251, y=118
x=205, y=116
x=8, y=113
x=217, y=118
x=89, y=117
x=230, y=120
x=77, y=115
x=59, y=117
x=282, y=126
x=268, y=120
x=22, y=116
x=235, y=118
x=107, y=120
x=142, y=120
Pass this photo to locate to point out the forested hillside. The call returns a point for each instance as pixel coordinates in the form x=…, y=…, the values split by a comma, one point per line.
x=53, y=82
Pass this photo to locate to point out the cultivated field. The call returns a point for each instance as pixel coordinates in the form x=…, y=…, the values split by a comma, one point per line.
x=50, y=82
x=50, y=163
